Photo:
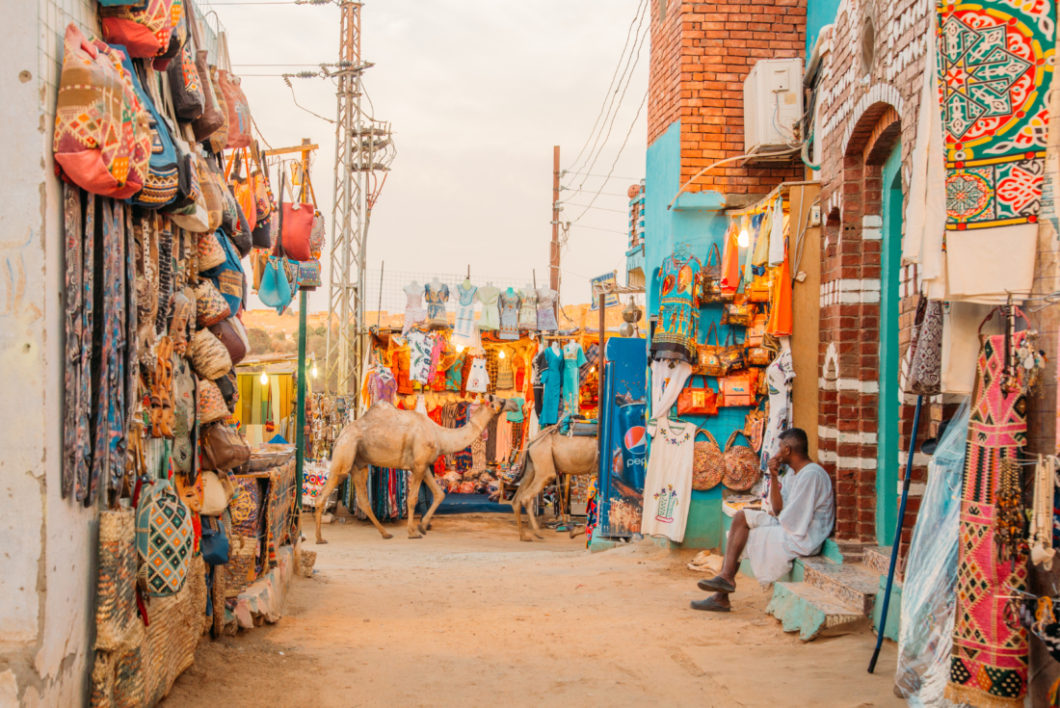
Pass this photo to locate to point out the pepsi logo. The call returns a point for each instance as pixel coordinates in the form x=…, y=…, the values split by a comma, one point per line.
x=635, y=440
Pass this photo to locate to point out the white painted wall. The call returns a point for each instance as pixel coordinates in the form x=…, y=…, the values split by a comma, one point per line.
x=46, y=543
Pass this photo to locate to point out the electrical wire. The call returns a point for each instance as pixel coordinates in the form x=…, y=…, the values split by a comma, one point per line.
x=589, y=206
x=287, y=80
x=614, y=75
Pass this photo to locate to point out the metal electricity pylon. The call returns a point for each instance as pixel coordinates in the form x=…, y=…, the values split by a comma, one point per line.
x=363, y=152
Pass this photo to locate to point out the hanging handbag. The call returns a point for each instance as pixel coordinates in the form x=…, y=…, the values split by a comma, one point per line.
x=297, y=227
x=233, y=336
x=218, y=140
x=210, y=306
x=229, y=391
x=228, y=277
x=754, y=426
x=732, y=354
x=708, y=355
x=759, y=290
x=925, y=371
x=739, y=313
x=209, y=250
x=741, y=465
x=738, y=389
x=223, y=448
x=214, y=541
x=757, y=330
x=212, y=119
x=710, y=278
x=275, y=288
x=145, y=31
x=708, y=462
x=308, y=275
x=316, y=238
x=208, y=355
x=212, y=405
x=217, y=491
x=262, y=235
x=237, y=174
x=185, y=85
x=697, y=400
x=164, y=535
x=761, y=348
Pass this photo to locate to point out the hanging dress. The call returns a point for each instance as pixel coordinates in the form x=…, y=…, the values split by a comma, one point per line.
x=573, y=359
x=465, y=330
x=488, y=296
x=546, y=310
x=420, y=346
x=509, y=306
x=552, y=385
x=668, y=484
x=478, y=380
x=415, y=312
x=528, y=310
x=436, y=299
x=675, y=334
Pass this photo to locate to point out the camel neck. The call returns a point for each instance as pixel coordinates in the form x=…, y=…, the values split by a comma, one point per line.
x=455, y=440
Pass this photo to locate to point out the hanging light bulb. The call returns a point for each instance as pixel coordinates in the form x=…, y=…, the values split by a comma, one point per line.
x=743, y=239
x=264, y=379
x=460, y=348
x=501, y=354
x=313, y=371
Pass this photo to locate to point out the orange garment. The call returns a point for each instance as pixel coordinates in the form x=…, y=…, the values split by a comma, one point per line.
x=780, y=315
x=400, y=368
x=730, y=262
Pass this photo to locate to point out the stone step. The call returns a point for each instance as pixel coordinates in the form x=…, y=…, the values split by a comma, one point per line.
x=849, y=584
x=813, y=612
x=877, y=559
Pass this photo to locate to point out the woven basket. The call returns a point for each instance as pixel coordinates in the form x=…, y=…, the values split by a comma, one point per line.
x=741, y=465
x=241, y=568
x=209, y=356
x=210, y=305
x=174, y=633
x=708, y=462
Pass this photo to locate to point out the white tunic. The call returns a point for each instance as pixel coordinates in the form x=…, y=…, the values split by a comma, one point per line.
x=668, y=483
x=801, y=529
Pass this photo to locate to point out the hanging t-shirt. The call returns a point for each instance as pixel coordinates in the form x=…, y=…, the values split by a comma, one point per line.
x=546, y=310
x=516, y=416
x=415, y=312
x=528, y=310
x=573, y=358
x=488, y=296
x=776, y=234
x=779, y=376
x=509, y=306
x=465, y=329
x=436, y=299
x=420, y=346
x=668, y=484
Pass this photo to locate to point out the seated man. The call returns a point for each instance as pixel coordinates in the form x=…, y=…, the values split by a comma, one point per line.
x=802, y=515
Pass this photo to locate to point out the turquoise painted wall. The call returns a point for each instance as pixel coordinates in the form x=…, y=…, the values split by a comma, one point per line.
x=695, y=221
x=818, y=14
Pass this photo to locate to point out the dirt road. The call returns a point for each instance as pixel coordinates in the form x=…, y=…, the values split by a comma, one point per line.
x=469, y=616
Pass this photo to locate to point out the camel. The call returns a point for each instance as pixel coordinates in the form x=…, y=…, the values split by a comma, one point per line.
x=407, y=440
x=548, y=455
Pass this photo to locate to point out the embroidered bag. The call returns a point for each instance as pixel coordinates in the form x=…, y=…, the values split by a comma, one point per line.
x=309, y=275
x=925, y=370
x=185, y=85
x=708, y=462
x=211, y=403
x=144, y=31
x=316, y=237
x=228, y=277
x=741, y=465
x=697, y=400
x=102, y=138
x=209, y=250
x=164, y=536
x=210, y=306
x=212, y=118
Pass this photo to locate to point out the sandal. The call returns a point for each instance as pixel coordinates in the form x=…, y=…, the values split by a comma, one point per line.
x=709, y=605
x=716, y=584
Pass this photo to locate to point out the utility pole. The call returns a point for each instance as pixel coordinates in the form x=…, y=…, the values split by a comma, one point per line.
x=553, y=277
x=362, y=148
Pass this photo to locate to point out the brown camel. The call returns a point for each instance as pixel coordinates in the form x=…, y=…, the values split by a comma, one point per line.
x=406, y=440
x=548, y=455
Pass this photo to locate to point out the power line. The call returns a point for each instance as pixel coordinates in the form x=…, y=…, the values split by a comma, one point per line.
x=597, y=228
x=587, y=206
x=614, y=75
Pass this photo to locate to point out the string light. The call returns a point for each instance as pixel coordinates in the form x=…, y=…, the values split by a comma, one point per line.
x=743, y=240
x=264, y=379
x=313, y=371
x=501, y=354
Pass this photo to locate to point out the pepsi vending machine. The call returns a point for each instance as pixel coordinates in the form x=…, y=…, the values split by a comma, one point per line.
x=624, y=442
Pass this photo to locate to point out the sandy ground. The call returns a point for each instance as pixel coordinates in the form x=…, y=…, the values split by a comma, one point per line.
x=469, y=616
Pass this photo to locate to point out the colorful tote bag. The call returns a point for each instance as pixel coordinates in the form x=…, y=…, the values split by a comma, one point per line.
x=229, y=277
x=144, y=30
x=164, y=538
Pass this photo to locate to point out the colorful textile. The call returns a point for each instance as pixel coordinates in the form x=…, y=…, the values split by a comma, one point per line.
x=528, y=309
x=436, y=299
x=995, y=60
x=72, y=323
x=420, y=347
x=573, y=359
x=546, y=310
x=989, y=663
x=510, y=302
x=465, y=330
x=552, y=385
x=675, y=335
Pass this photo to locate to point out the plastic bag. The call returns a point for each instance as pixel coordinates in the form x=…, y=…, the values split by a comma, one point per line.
x=925, y=639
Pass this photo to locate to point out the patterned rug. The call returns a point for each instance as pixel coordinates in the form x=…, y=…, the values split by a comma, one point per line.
x=989, y=662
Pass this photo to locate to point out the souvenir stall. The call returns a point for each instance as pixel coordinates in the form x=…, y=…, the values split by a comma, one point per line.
x=719, y=383
x=164, y=195
x=267, y=398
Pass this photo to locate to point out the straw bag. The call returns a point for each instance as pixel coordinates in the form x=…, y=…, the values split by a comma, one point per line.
x=210, y=306
x=754, y=427
x=208, y=355
x=695, y=400
x=708, y=462
x=209, y=251
x=741, y=465
x=211, y=403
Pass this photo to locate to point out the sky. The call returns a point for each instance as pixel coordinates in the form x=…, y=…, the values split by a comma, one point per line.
x=478, y=92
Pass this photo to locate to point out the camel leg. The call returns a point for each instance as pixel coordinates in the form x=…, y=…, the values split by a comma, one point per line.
x=414, y=496
x=334, y=478
x=519, y=500
x=542, y=482
x=360, y=480
x=439, y=495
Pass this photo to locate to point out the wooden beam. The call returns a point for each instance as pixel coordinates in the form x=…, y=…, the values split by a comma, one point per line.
x=291, y=150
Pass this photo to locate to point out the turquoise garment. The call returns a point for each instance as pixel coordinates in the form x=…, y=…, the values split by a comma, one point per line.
x=573, y=359
x=517, y=416
x=552, y=381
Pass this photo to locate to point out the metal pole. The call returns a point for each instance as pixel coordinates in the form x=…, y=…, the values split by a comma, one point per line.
x=300, y=417
x=553, y=277
x=897, y=536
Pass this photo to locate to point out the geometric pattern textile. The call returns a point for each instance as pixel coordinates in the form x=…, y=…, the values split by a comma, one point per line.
x=989, y=661
x=163, y=538
x=995, y=63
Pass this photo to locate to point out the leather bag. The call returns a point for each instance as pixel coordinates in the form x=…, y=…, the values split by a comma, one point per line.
x=212, y=119
x=708, y=462
x=732, y=353
x=738, y=389
x=741, y=465
x=184, y=82
x=697, y=400
x=708, y=355
x=739, y=313
x=223, y=448
x=710, y=291
x=232, y=335
x=758, y=290
x=214, y=543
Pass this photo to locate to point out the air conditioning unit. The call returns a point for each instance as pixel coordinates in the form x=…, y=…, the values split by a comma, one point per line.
x=772, y=105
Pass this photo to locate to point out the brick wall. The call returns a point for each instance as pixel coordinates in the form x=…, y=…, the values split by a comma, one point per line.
x=868, y=95
x=701, y=54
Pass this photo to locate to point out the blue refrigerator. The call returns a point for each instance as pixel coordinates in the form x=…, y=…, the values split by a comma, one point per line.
x=624, y=444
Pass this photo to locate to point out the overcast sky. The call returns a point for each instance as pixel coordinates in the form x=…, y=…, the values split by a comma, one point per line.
x=478, y=92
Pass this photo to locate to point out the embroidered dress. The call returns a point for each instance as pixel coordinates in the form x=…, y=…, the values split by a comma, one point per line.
x=675, y=334
x=668, y=484
x=509, y=304
x=465, y=330
x=573, y=359
x=488, y=296
x=436, y=299
x=528, y=310
x=415, y=312
x=546, y=310
x=989, y=662
x=478, y=380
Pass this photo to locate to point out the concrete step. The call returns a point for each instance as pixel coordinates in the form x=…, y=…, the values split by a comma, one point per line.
x=853, y=585
x=813, y=612
x=877, y=559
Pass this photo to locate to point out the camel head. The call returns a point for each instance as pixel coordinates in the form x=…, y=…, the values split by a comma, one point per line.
x=501, y=405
